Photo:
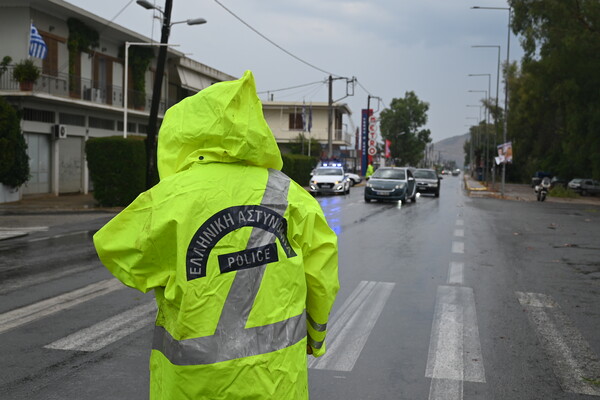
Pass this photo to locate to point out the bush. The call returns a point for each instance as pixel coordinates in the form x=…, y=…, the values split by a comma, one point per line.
x=298, y=167
x=561, y=191
x=26, y=71
x=14, y=161
x=117, y=169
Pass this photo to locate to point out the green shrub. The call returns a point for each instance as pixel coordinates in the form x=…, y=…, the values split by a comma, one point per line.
x=117, y=168
x=14, y=161
x=26, y=71
x=561, y=191
x=298, y=167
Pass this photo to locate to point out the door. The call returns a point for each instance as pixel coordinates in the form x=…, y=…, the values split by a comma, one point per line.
x=38, y=150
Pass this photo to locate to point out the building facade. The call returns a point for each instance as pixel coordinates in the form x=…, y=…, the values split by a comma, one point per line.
x=289, y=120
x=80, y=93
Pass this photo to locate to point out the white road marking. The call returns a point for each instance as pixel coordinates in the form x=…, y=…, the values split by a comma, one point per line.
x=458, y=247
x=108, y=331
x=456, y=272
x=352, y=325
x=454, y=347
x=460, y=222
x=573, y=361
x=58, y=236
x=459, y=232
x=20, y=282
x=26, y=228
x=44, y=308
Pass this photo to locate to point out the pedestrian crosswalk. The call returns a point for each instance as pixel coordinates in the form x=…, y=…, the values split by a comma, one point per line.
x=455, y=355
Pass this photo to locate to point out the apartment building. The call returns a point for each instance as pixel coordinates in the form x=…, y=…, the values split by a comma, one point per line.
x=80, y=93
x=288, y=120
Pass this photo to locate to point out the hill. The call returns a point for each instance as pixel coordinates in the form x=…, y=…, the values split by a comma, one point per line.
x=451, y=149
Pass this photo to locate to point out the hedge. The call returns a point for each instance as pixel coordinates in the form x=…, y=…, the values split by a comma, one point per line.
x=117, y=168
x=14, y=161
x=298, y=167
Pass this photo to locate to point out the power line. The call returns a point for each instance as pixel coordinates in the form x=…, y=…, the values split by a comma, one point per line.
x=291, y=87
x=273, y=43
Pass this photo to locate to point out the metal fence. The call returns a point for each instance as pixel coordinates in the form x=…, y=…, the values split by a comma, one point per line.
x=76, y=87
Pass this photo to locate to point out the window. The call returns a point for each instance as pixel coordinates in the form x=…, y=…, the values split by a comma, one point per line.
x=32, y=114
x=296, y=123
x=71, y=119
x=102, y=123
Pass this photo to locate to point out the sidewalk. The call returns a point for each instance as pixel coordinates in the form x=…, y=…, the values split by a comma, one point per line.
x=39, y=212
x=519, y=192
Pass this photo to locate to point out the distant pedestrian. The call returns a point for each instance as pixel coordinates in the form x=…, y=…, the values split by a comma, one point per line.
x=369, y=171
x=241, y=259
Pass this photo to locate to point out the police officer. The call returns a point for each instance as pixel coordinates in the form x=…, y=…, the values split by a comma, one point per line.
x=241, y=259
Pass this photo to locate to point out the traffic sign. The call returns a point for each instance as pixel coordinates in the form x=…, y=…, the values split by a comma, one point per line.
x=372, y=119
x=371, y=143
x=372, y=151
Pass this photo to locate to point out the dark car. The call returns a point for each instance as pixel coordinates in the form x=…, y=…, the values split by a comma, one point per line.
x=427, y=181
x=391, y=183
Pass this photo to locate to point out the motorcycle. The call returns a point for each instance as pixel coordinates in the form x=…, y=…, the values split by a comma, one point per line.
x=542, y=188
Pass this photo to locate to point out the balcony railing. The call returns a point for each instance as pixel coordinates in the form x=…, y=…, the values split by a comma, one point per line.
x=76, y=87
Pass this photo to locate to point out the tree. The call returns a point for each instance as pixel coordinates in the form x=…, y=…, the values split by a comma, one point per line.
x=401, y=125
x=554, y=110
x=14, y=162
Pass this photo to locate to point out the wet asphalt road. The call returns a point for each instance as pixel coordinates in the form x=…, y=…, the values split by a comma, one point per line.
x=451, y=297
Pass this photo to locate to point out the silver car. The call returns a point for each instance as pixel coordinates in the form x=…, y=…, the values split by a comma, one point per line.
x=329, y=180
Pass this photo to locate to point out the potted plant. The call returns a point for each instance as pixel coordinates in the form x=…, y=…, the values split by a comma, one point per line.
x=26, y=73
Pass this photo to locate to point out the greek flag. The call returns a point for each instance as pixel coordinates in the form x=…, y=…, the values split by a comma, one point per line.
x=37, y=46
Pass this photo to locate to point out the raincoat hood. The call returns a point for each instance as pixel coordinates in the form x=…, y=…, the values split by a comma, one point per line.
x=222, y=123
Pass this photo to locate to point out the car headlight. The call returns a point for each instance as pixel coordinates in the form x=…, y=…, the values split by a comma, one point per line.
x=400, y=186
x=336, y=182
x=369, y=185
x=314, y=182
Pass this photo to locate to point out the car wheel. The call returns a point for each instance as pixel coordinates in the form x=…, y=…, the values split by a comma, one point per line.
x=367, y=200
x=584, y=192
x=352, y=183
x=437, y=193
x=413, y=199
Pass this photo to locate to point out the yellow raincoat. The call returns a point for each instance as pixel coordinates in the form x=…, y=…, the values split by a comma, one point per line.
x=241, y=259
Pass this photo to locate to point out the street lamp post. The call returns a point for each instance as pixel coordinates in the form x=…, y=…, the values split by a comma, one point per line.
x=126, y=78
x=479, y=130
x=160, y=69
x=505, y=128
x=496, y=104
x=487, y=122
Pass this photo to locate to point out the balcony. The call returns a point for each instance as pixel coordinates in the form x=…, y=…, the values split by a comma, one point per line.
x=78, y=88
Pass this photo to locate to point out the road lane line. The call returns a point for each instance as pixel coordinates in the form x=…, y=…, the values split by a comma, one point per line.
x=108, y=331
x=573, y=361
x=456, y=273
x=458, y=247
x=459, y=232
x=454, y=347
x=352, y=325
x=460, y=222
x=44, y=308
x=58, y=236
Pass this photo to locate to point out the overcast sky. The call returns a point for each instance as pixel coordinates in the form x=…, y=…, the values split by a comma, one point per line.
x=390, y=46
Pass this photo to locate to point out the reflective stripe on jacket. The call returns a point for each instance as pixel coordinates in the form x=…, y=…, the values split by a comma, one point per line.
x=241, y=259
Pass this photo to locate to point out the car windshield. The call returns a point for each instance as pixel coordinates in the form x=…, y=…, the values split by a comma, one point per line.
x=390, y=174
x=425, y=174
x=329, y=171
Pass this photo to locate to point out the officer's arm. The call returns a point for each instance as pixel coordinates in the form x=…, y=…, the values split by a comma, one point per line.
x=321, y=271
x=126, y=246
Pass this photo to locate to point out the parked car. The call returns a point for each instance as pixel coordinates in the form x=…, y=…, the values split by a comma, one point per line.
x=354, y=178
x=391, y=183
x=575, y=184
x=329, y=180
x=428, y=181
x=558, y=181
x=588, y=186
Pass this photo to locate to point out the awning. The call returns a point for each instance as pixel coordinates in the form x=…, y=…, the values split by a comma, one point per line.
x=192, y=80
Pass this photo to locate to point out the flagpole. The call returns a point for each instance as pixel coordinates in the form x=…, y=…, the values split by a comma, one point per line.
x=29, y=39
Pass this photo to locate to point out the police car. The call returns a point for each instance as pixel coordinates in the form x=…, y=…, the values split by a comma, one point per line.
x=329, y=179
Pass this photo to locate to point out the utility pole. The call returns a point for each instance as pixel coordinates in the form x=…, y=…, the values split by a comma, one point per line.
x=330, y=120
x=156, y=94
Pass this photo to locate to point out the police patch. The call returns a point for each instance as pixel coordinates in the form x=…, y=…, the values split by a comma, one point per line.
x=227, y=221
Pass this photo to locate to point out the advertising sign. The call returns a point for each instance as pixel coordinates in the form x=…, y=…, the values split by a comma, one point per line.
x=364, y=138
x=504, y=153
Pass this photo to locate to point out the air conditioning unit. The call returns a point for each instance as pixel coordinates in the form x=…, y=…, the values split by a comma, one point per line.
x=59, y=131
